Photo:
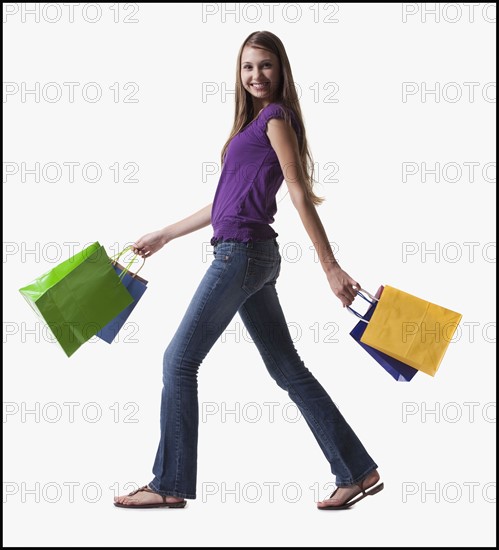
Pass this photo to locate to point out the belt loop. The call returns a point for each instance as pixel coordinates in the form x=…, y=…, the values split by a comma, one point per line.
x=250, y=243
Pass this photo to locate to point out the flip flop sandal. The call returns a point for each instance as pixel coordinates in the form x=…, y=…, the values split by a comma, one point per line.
x=163, y=504
x=353, y=500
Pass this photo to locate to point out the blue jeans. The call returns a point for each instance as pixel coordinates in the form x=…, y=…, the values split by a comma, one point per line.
x=242, y=278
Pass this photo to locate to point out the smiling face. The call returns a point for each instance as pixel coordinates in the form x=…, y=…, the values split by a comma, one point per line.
x=260, y=75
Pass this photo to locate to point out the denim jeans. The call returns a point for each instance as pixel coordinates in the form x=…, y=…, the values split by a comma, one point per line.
x=242, y=279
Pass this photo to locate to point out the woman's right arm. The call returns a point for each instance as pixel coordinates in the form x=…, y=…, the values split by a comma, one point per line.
x=147, y=245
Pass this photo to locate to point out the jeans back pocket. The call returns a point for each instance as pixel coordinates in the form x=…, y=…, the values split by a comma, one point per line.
x=260, y=271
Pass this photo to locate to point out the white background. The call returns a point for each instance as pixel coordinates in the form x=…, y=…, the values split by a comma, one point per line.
x=435, y=239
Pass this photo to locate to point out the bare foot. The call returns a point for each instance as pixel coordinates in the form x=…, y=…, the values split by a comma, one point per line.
x=145, y=496
x=343, y=494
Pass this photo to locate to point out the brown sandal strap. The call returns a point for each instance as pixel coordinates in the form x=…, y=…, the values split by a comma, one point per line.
x=360, y=486
x=146, y=489
x=137, y=491
x=333, y=493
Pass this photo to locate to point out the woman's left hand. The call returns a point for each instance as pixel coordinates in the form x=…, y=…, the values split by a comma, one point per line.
x=343, y=285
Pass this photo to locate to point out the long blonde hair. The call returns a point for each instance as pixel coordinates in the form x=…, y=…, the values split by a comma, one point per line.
x=285, y=95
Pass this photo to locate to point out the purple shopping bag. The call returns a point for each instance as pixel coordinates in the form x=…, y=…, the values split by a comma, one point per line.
x=398, y=370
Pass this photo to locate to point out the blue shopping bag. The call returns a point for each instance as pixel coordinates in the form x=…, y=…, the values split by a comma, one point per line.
x=136, y=286
x=398, y=370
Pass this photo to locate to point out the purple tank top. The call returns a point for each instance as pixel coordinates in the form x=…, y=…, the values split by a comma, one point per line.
x=244, y=203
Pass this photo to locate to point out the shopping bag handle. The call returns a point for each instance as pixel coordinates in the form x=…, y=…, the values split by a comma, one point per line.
x=373, y=299
x=116, y=257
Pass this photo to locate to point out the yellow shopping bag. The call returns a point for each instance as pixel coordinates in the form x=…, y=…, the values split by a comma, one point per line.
x=411, y=330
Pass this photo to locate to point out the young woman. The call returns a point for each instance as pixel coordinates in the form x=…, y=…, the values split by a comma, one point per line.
x=267, y=145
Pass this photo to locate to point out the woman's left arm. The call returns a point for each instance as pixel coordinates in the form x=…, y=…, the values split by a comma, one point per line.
x=284, y=142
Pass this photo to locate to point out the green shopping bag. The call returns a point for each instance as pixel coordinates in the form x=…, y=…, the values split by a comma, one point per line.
x=78, y=297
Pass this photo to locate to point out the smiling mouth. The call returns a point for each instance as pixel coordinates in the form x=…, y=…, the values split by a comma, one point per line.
x=261, y=86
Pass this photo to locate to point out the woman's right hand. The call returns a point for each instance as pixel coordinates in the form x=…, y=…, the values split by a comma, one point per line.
x=147, y=245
